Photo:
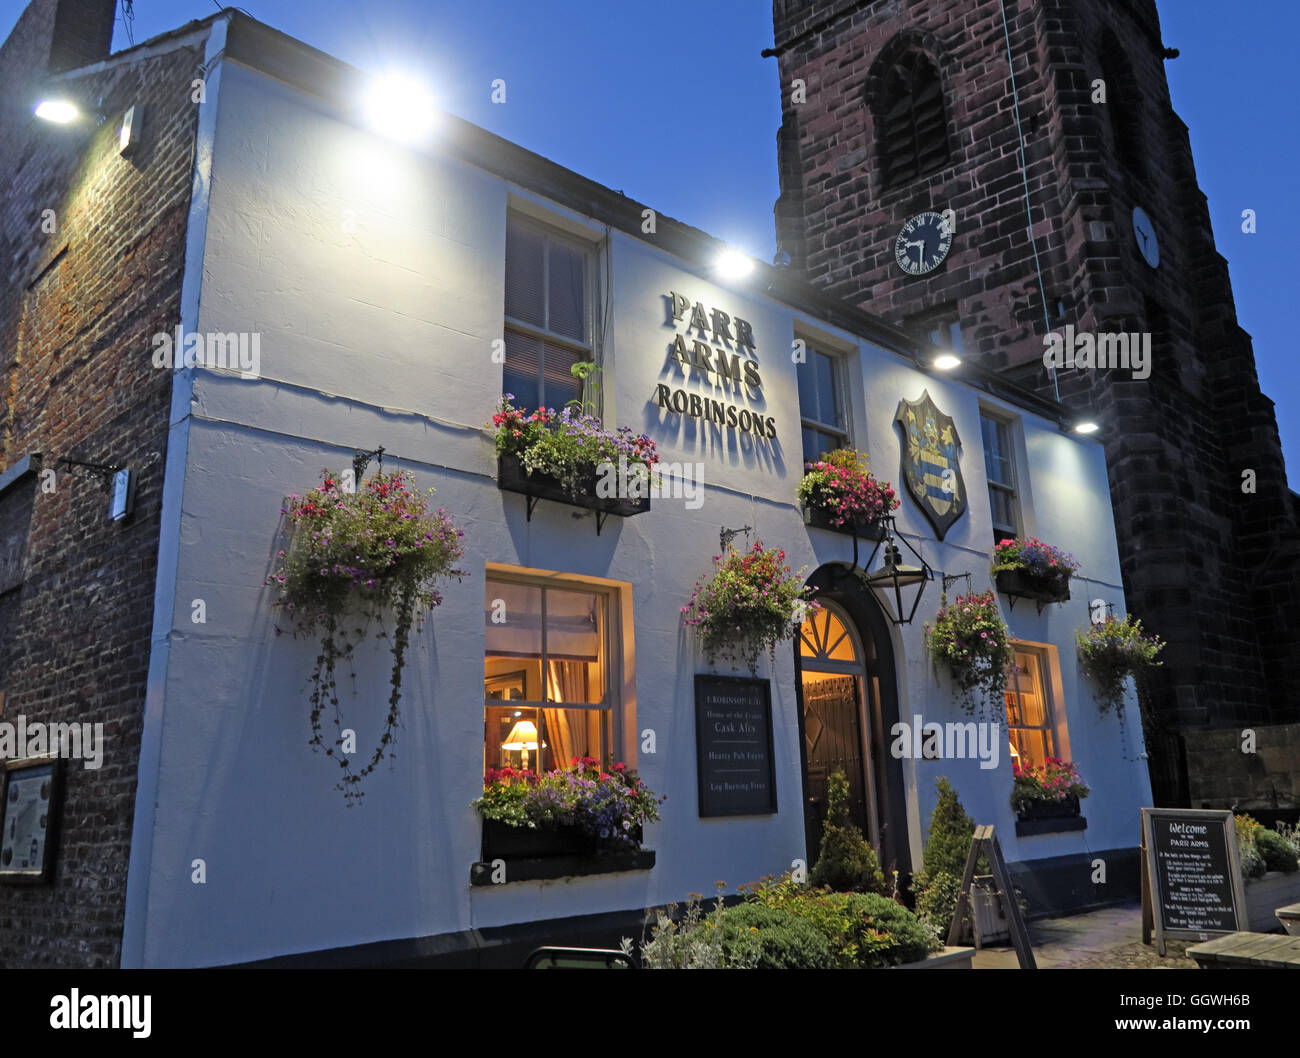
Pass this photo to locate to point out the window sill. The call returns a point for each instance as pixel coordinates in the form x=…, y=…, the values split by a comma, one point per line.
x=546, y=867
x=1026, y=828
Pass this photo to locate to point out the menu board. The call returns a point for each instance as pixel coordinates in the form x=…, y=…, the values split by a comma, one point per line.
x=733, y=744
x=1194, y=884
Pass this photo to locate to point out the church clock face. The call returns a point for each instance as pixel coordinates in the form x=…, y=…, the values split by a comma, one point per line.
x=1145, y=234
x=922, y=244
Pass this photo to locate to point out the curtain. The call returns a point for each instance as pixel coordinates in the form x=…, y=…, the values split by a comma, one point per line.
x=566, y=681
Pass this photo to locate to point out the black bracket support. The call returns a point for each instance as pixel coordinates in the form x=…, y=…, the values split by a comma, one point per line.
x=103, y=471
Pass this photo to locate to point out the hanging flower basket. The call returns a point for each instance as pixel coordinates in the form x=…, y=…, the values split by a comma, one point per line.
x=1112, y=651
x=363, y=555
x=1032, y=569
x=838, y=493
x=750, y=603
x=569, y=457
x=970, y=641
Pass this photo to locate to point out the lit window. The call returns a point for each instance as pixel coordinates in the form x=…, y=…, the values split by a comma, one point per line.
x=548, y=323
x=548, y=688
x=821, y=405
x=1000, y=468
x=1029, y=708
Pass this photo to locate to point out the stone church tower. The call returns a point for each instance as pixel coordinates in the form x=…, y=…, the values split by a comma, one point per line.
x=1043, y=125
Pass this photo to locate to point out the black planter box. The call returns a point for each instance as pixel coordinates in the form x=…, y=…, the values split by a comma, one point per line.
x=512, y=477
x=501, y=841
x=1050, y=809
x=820, y=518
x=1027, y=828
x=1027, y=586
x=526, y=870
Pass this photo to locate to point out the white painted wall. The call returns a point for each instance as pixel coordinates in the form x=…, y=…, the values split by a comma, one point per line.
x=375, y=278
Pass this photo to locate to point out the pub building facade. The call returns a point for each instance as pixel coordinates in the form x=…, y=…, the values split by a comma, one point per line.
x=395, y=293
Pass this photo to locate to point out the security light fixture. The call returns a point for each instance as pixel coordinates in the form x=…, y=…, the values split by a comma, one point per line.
x=732, y=264
x=59, y=111
x=399, y=107
x=1087, y=426
x=947, y=361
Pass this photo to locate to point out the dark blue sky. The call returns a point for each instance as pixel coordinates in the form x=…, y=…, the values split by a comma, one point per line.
x=670, y=102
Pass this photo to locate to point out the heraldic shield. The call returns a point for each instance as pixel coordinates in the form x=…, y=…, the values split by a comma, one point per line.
x=932, y=461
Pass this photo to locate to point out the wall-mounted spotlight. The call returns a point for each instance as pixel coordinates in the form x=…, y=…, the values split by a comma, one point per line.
x=58, y=111
x=401, y=108
x=1086, y=426
x=732, y=264
x=946, y=361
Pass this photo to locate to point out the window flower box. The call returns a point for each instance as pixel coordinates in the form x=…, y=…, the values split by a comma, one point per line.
x=1024, y=585
x=513, y=477
x=571, y=458
x=821, y=518
x=576, y=820
x=1062, y=809
x=1031, y=569
x=838, y=493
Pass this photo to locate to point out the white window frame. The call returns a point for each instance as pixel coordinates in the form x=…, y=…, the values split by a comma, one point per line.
x=839, y=383
x=589, y=347
x=1012, y=426
x=612, y=645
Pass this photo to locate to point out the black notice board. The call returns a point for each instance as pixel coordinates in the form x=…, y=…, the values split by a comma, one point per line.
x=733, y=746
x=1192, y=887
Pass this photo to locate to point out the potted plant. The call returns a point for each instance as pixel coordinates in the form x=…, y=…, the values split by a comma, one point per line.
x=971, y=642
x=839, y=493
x=748, y=604
x=1270, y=868
x=1113, y=650
x=570, y=457
x=366, y=553
x=1032, y=569
x=1049, y=791
x=582, y=810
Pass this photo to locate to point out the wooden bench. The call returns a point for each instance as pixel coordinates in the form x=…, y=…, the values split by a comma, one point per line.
x=1289, y=916
x=1255, y=951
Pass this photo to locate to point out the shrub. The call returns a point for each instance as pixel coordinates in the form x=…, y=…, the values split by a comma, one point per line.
x=769, y=938
x=1252, y=860
x=865, y=930
x=845, y=860
x=947, y=848
x=1278, y=853
x=693, y=942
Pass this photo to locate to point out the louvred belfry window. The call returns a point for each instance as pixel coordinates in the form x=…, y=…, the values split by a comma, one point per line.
x=913, y=130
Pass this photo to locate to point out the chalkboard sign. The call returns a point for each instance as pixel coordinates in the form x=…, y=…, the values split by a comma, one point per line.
x=1192, y=885
x=733, y=746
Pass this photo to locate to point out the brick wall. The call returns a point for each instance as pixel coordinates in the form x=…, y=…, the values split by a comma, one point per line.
x=76, y=317
x=1209, y=568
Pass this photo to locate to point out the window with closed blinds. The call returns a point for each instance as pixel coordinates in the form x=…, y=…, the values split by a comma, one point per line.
x=548, y=315
x=913, y=126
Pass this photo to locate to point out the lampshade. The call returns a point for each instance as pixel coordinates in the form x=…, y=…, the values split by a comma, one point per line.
x=523, y=736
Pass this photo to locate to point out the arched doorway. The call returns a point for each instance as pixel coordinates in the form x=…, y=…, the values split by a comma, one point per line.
x=847, y=705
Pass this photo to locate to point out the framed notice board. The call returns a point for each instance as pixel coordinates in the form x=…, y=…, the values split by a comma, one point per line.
x=733, y=746
x=30, y=798
x=1191, y=875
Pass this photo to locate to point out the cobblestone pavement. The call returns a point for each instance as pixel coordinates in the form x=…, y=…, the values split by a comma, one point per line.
x=1107, y=939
